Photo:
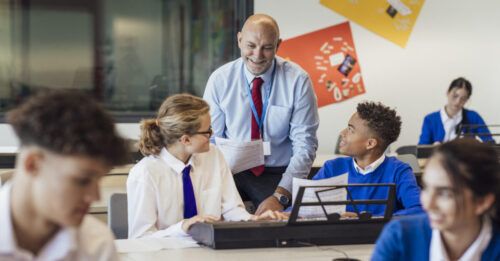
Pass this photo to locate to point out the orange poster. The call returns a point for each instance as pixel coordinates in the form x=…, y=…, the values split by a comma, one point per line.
x=330, y=58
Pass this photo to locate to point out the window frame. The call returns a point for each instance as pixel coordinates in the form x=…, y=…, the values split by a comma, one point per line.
x=243, y=9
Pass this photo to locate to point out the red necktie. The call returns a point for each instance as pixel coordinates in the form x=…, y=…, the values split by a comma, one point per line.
x=257, y=101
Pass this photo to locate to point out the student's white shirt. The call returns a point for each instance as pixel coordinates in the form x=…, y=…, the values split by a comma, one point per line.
x=450, y=124
x=473, y=253
x=91, y=241
x=370, y=168
x=155, y=193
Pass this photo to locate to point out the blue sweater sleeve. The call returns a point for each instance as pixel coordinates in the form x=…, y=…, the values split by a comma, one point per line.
x=477, y=119
x=321, y=174
x=388, y=245
x=333, y=168
x=328, y=170
x=407, y=192
x=406, y=238
x=426, y=133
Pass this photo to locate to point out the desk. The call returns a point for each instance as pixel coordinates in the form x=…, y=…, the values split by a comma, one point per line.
x=114, y=182
x=324, y=253
x=320, y=159
x=5, y=175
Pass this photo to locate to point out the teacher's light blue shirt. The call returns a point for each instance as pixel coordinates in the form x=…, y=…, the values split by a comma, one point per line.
x=291, y=119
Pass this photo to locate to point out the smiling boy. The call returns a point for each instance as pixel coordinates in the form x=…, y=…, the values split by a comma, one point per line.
x=370, y=131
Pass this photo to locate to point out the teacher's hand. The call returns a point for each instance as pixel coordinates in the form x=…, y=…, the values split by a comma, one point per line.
x=270, y=203
x=271, y=215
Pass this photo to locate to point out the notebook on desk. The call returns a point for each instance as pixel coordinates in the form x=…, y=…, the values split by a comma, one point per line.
x=331, y=229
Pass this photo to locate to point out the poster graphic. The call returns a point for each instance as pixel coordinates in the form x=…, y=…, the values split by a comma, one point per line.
x=391, y=19
x=329, y=56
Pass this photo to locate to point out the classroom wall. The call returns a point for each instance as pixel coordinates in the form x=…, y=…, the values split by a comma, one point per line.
x=451, y=38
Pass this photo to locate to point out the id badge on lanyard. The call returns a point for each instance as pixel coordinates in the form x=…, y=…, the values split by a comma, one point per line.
x=266, y=145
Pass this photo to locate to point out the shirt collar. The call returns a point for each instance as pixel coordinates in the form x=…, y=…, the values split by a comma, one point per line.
x=444, y=116
x=370, y=168
x=7, y=240
x=174, y=162
x=266, y=76
x=474, y=252
x=60, y=246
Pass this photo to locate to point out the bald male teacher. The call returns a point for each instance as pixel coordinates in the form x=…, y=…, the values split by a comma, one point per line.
x=263, y=96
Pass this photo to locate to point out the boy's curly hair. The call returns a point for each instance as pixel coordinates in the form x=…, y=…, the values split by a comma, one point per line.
x=69, y=123
x=381, y=120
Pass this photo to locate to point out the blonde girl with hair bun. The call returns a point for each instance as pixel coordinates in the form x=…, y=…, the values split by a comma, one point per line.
x=183, y=178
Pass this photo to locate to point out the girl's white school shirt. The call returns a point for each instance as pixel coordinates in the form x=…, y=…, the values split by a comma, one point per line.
x=155, y=193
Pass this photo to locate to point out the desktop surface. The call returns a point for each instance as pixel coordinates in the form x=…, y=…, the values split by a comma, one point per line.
x=361, y=252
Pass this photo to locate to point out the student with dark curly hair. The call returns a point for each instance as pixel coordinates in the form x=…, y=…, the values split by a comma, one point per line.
x=445, y=124
x=461, y=197
x=369, y=132
x=67, y=143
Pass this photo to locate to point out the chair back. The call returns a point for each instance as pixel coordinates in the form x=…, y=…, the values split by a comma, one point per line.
x=118, y=215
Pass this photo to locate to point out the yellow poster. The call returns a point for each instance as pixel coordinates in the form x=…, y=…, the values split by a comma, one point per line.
x=391, y=19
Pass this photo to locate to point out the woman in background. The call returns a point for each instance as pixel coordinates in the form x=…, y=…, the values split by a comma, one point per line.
x=446, y=124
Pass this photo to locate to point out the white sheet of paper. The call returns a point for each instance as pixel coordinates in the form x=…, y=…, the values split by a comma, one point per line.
x=153, y=244
x=310, y=195
x=241, y=155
